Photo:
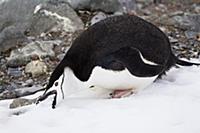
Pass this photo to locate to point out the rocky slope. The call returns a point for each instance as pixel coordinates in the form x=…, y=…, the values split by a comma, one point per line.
x=35, y=34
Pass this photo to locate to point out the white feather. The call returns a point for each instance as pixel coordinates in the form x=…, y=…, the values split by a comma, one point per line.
x=101, y=79
x=108, y=79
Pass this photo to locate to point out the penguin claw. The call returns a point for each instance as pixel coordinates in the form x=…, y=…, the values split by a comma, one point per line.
x=121, y=93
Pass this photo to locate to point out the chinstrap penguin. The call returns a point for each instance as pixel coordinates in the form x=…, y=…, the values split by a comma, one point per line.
x=121, y=53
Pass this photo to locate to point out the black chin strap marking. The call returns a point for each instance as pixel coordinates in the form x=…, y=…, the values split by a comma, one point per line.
x=61, y=85
x=46, y=95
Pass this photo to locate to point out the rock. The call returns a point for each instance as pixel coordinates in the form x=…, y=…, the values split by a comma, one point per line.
x=125, y=6
x=28, y=83
x=9, y=87
x=36, y=68
x=11, y=37
x=22, y=56
x=164, y=20
x=2, y=61
x=15, y=61
x=19, y=102
x=98, y=17
x=15, y=18
x=196, y=8
x=15, y=72
x=21, y=18
x=191, y=34
x=188, y=22
x=54, y=16
x=173, y=40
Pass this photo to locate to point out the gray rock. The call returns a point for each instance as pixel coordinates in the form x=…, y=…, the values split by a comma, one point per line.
x=191, y=34
x=15, y=18
x=98, y=17
x=104, y=5
x=28, y=83
x=196, y=7
x=55, y=16
x=8, y=87
x=36, y=68
x=18, y=61
x=15, y=72
x=188, y=22
x=19, y=102
x=173, y=40
x=22, y=56
x=19, y=18
x=9, y=37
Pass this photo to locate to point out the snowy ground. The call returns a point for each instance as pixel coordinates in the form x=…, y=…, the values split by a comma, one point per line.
x=170, y=105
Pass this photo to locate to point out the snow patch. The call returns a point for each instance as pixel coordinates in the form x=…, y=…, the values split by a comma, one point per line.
x=170, y=105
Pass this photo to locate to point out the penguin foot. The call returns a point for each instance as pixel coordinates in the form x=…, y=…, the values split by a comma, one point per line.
x=46, y=95
x=121, y=93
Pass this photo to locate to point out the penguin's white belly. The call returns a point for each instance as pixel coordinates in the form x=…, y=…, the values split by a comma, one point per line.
x=109, y=79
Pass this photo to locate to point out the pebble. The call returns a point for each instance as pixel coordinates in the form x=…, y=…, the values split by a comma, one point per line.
x=190, y=34
x=19, y=102
x=28, y=83
x=36, y=68
x=15, y=72
x=98, y=17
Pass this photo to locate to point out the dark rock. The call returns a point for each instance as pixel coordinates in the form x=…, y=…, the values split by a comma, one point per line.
x=125, y=6
x=15, y=18
x=11, y=36
x=15, y=72
x=16, y=62
x=2, y=61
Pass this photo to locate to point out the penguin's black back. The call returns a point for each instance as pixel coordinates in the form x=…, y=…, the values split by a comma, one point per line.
x=101, y=42
x=115, y=43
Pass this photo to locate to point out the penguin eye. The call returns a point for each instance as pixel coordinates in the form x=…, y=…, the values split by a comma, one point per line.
x=56, y=83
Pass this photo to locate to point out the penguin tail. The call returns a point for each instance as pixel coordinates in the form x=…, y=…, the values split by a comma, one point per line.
x=185, y=63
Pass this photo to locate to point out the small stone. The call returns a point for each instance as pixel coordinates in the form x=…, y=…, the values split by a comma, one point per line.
x=98, y=17
x=61, y=56
x=190, y=34
x=173, y=40
x=196, y=8
x=36, y=68
x=198, y=37
x=15, y=72
x=19, y=102
x=28, y=83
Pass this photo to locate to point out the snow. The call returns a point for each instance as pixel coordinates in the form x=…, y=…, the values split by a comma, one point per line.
x=170, y=105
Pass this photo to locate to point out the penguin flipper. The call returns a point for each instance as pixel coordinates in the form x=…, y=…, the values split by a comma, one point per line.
x=130, y=58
